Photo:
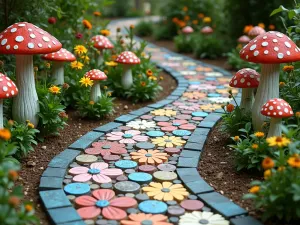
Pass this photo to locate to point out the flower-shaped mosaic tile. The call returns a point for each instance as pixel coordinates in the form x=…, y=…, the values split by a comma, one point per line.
x=128, y=137
x=152, y=157
x=141, y=124
x=168, y=141
x=106, y=148
x=164, y=112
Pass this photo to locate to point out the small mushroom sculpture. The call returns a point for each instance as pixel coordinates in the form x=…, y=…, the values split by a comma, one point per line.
x=25, y=40
x=207, y=30
x=244, y=39
x=255, y=31
x=101, y=42
x=277, y=109
x=187, y=30
x=128, y=59
x=248, y=80
x=96, y=76
x=8, y=89
x=59, y=58
x=270, y=49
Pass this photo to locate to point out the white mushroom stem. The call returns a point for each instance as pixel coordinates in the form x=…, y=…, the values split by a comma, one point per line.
x=25, y=104
x=127, y=79
x=95, y=91
x=275, y=127
x=100, y=59
x=268, y=88
x=1, y=113
x=58, y=73
x=247, y=99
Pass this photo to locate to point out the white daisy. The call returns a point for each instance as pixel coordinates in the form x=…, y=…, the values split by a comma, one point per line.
x=207, y=218
x=219, y=99
x=141, y=124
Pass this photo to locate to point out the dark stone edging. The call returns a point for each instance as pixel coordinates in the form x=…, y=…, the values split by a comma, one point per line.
x=61, y=211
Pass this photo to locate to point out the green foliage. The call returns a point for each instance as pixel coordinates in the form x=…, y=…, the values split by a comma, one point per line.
x=184, y=43
x=234, y=60
x=208, y=46
x=144, y=28
x=162, y=31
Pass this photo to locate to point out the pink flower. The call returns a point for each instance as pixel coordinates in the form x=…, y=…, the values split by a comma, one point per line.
x=181, y=124
x=187, y=106
x=103, y=202
x=106, y=148
x=98, y=172
x=128, y=137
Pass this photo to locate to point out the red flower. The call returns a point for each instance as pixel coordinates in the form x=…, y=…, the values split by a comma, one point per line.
x=106, y=148
x=79, y=35
x=52, y=20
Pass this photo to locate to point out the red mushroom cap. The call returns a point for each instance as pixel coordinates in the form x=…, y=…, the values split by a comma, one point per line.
x=244, y=39
x=102, y=42
x=207, y=30
x=27, y=39
x=95, y=75
x=62, y=55
x=245, y=78
x=277, y=108
x=255, y=31
x=187, y=30
x=128, y=57
x=8, y=89
x=271, y=48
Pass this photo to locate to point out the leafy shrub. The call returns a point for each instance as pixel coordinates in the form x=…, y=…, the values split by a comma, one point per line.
x=183, y=43
x=237, y=63
x=162, y=32
x=208, y=46
x=144, y=28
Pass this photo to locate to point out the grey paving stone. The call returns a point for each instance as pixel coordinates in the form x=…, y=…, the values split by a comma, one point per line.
x=201, y=131
x=79, y=222
x=63, y=159
x=222, y=204
x=207, y=124
x=194, y=146
x=50, y=183
x=213, y=117
x=141, y=111
x=188, y=162
x=188, y=174
x=54, y=172
x=64, y=215
x=245, y=220
x=125, y=118
x=54, y=199
x=171, y=97
x=86, y=140
x=108, y=127
x=199, y=186
x=160, y=104
x=197, y=138
x=190, y=154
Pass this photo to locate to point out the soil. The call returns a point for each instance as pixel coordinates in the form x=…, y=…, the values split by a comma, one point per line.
x=36, y=162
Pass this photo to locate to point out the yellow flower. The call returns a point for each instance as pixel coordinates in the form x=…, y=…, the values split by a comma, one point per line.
x=161, y=78
x=207, y=19
x=262, y=25
x=152, y=157
x=163, y=112
x=5, y=134
x=168, y=141
x=185, y=9
x=166, y=191
x=47, y=65
x=288, y=68
x=108, y=94
x=30, y=125
x=28, y=208
x=91, y=102
x=143, y=54
x=80, y=49
x=297, y=114
x=77, y=65
x=54, y=89
x=111, y=63
x=267, y=163
x=294, y=161
x=97, y=13
x=85, y=81
x=259, y=134
x=278, y=141
x=87, y=24
x=281, y=168
x=105, y=32
x=267, y=174
x=105, y=87
x=254, y=146
x=152, y=78
x=236, y=138
x=254, y=189
x=85, y=58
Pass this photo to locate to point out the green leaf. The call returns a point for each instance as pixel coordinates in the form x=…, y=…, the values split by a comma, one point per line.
x=278, y=10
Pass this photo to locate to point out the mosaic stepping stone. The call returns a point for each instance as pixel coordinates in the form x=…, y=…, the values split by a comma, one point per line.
x=199, y=114
x=155, y=133
x=127, y=187
x=172, y=151
x=147, y=168
x=145, y=145
x=146, y=117
x=86, y=159
x=197, y=118
x=122, y=178
x=164, y=175
x=166, y=167
x=161, y=118
x=153, y=207
x=140, y=177
x=192, y=205
x=77, y=189
x=126, y=164
x=181, y=133
x=183, y=117
x=111, y=158
x=176, y=210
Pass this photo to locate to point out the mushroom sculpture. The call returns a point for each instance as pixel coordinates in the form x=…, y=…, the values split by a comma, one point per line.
x=277, y=109
x=128, y=59
x=25, y=40
x=248, y=80
x=255, y=31
x=101, y=42
x=187, y=30
x=8, y=89
x=58, y=59
x=96, y=76
x=207, y=30
x=244, y=40
x=270, y=49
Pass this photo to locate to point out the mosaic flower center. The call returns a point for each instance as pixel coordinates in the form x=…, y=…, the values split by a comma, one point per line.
x=127, y=136
x=176, y=124
x=146, y=222
x=203, y=221
x=102, y=203
x=166, y=190
x=148, y=155
x=106, y=146
x=93, y=171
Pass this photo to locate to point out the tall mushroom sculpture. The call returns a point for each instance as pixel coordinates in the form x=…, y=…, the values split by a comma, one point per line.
x=96, y=76
x=25, y=40
x=270, y=49
x=8, y=89
x=248, y=80
x=128, y=59
x=101, y=42
x=59, y=58
x=277, y=109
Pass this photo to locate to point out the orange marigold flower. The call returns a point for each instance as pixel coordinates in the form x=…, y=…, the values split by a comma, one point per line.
x=131, y=26
x=236, y=138
x=247, y=29
x=281, y=84
x=5, y=134
x=195, y=22
x=254, y=189
x=28, y=208
x=91, y=102
x=297, y=114
x=187, y=18
x=149, y=72
x=87, y=24
x=294, y=161
x=259, y=134
x=288, y=68
x=114, y=57
x=97, y=13
x=105, y=32
x=30, y=125
x=262, y=25
x=181, y=23
x=175, y=20
x=13, y=175
x=230, y=107
x=267, y=163
x=14, y=201
x=143, y=84
x=254, y=146
x=201, y=15
x=271, y=27
x=185, y=9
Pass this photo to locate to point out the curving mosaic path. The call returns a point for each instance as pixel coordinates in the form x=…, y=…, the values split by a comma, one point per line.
x=141, y=169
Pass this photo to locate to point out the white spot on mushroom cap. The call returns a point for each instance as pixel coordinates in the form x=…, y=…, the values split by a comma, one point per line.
x=19, y=39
